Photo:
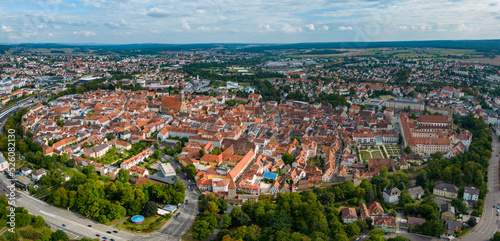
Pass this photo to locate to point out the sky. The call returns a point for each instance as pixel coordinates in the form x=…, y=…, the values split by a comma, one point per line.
x=245, y=21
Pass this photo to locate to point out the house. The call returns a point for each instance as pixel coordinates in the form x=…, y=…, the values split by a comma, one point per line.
x=415, y=192
x=445, y=190
x=453, y=227
x=374, y=208
x=38, y=174
x=3, y=163
x=471, y=194
x=97, y=151
x=386, y=223
x=447, y=212
x=392, y=195
x=349, y=215
x=413, y=222
x=26, y=171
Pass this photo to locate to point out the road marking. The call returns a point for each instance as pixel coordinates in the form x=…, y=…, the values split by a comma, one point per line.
x=48, y=214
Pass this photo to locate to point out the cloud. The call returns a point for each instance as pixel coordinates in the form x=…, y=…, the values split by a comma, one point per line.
x=403, y=27
x=51, y=34
x=155, y=31
x=310, y=27
x=265, y=28
x=289, y=29
x=157, y=12
x=113, y=24
x=326, y=28
x=207, y=29
x=84, y=33
x=343, y=28
x=185, y=25
x=41, y=26
x=7, y=28
x=493, y=4
x=465, y=28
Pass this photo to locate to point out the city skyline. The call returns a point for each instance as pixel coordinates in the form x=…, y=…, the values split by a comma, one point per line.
x=225, y=21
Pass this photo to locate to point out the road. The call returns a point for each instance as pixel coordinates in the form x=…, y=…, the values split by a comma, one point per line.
x=489, y=222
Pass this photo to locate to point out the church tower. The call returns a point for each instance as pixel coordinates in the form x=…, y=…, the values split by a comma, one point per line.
x=182, y=100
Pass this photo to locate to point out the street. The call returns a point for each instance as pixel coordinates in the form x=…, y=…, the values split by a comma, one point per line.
x=489, y=223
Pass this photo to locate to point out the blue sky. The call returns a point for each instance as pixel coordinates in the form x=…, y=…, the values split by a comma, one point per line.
x=239, y=21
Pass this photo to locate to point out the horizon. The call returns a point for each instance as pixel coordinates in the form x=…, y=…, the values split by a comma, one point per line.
x=241, y=43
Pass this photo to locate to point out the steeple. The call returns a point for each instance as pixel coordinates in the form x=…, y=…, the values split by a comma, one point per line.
x=182, y=99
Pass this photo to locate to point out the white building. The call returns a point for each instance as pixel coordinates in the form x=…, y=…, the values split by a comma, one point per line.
x=392, y=195
x=471, y=194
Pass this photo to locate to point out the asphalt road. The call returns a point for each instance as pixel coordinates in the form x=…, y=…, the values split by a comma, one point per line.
x=489, y=222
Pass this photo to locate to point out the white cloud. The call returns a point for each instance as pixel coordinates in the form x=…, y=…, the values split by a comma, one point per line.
x=465, y=28
x=51, y=34
x=157, y=12
x=41, y=26
x=403, y=27
x=344, y=28
x=207, y=29
x=310, y=27
x=289, y=29
x=265, y=28
x=326, y=28
x=7, y=28
x=84, y=33
x=185, y=25
x=155, y=31
x=57, y=27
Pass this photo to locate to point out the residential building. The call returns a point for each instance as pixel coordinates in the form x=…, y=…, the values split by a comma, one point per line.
x=386, y=223
x=471, y=194
x=349, y=215
x=445, y=190
x=392, y=195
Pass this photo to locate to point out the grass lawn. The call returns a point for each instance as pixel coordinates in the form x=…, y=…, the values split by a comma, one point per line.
x=149, y=225
x=377, y=154
x=365, y=155
x=188, y=236
x=110, y=156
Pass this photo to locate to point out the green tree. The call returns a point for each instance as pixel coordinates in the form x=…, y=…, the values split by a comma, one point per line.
x=496, y=237
x=212, y=207
x=200, y=230
x=29, y=233
x=150, y=209
x=288, y=158
x=123, y=176
x=352, y=229
x=39, y=222
x=408, y=150
x=399, y=238
x=404, y=198
x=226, y=221
x=376, y=235
x=59, y=235
x=215, y=151
x=191, y=170
x=45, y=235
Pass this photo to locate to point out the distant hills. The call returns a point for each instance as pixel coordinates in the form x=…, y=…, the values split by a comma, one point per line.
x=479, y=45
